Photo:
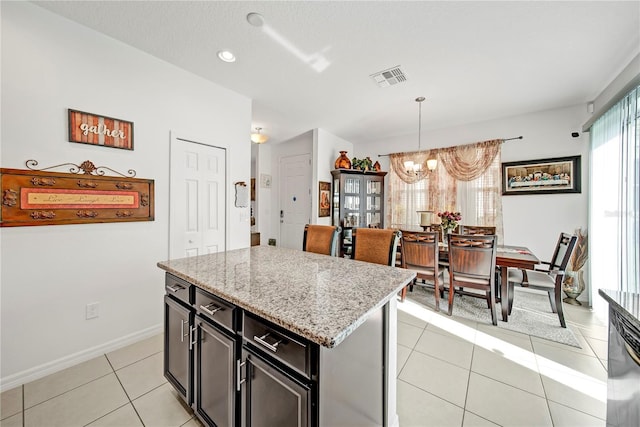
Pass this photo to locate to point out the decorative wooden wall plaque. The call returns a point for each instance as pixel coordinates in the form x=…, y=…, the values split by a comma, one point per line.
x=85, y=195
x=87, y=128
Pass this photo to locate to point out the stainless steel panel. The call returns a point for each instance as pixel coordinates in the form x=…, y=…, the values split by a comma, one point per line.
x=271, y=398
x=623, y=384
x=290, y=350
x=215, y=376
x=214, y=308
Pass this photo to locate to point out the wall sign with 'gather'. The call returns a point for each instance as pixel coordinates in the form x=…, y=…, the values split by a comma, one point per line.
x=87, y=128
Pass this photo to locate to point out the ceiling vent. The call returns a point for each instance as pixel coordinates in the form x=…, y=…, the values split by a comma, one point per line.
x=389, y=77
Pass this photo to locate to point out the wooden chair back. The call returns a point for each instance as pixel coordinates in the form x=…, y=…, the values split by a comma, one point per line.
x=472, y=257
x=419, y=249
x=375, y=245
x=476, y=230
x=420, y=253
x=472, y=264
x=321, y=239
x=562, y=252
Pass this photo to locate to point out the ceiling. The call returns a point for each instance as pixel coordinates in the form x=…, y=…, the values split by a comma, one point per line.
x=309, y=65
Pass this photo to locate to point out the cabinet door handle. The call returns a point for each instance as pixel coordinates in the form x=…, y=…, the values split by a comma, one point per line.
x=262, y=341
x=191, y=337
x=175, y=288
x=207, y=308
x=241, y=380
x=182, y=334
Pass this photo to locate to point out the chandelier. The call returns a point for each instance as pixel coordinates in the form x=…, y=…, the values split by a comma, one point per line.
x=259, y=138
x=414, y=167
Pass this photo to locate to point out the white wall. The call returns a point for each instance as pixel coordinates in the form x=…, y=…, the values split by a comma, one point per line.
x=327, y=149
x=49, y=274
x=534, y=221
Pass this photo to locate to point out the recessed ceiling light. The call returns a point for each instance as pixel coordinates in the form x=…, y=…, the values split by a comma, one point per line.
x=226, y=56
x=255, y=19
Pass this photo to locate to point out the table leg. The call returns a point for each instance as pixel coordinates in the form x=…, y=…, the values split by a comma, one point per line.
x=504, y=294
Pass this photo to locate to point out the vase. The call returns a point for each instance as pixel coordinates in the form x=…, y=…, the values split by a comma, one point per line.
x=343, y=161
x=573, y=286
x=445, y=236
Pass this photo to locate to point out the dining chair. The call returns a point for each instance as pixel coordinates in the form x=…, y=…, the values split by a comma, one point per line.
x=377, y=245
x=472, y=230
x=472, y=264
x=321, y=239
x=476, y=230
x=420, y=254
x=547, y=276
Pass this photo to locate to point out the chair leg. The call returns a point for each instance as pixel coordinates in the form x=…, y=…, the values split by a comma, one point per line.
x=436, y=291
x=492, y=307
x=451, y=292
x=510, y=293
x=552, y=300
x=558, y=299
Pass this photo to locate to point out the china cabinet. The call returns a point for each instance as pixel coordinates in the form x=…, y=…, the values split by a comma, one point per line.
x=358, y=201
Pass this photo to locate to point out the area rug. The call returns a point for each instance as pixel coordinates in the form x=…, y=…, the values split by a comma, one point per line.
x=531, y=313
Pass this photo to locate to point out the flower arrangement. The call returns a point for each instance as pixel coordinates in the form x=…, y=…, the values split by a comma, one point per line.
x=449, y=220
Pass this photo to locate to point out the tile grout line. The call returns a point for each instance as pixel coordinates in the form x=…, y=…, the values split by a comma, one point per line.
x=125, y=391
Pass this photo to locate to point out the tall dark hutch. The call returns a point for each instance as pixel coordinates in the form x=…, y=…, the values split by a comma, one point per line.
x=358, y=201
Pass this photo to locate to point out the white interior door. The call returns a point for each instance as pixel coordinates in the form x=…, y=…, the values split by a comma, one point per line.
x=295, y=199
x=196, y=198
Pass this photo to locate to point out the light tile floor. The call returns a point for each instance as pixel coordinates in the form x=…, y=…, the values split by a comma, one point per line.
x=451, y=372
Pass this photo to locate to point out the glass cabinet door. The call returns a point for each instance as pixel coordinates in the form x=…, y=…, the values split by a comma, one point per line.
x=373, y=199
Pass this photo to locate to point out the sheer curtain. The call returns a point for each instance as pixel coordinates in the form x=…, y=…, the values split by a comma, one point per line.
x=467, y=180
x=615, y=198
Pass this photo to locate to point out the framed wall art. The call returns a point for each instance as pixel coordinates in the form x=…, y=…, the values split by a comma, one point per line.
x=81, y=196
x=324, y=202
x=542, y=176
x=87, y=128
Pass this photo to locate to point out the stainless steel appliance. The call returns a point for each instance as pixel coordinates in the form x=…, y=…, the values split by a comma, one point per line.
x=623, y=384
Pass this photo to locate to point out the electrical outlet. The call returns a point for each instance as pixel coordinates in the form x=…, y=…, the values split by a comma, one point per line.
x=93, y=310
x=272, y=242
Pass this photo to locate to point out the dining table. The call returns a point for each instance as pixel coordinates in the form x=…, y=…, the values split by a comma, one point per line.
x=506, y=256
x=515, y=257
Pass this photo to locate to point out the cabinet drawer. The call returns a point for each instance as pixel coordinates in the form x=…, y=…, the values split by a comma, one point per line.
x=178, y=288
x=215, y=309
x=277, y=343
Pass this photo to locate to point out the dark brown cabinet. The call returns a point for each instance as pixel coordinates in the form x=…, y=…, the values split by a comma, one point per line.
x=178, y=320
x=358, y=201
x=271, y=397
x=215, y=368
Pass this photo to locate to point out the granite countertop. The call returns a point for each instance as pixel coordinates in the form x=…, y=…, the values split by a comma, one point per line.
x=626, y=303
x=319, y=297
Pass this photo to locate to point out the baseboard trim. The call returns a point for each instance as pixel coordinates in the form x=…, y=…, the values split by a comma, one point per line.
x=37, y=372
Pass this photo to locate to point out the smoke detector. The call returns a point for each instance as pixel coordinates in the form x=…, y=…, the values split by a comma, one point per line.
x=389, y=77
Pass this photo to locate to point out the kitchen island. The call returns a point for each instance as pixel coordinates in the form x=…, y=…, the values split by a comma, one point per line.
x=291, y=337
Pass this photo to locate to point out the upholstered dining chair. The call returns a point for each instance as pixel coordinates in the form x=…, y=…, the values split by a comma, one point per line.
x=547, y=276
x=472, y=264
x=420, y=254
x=476, y=230
x=321, y=239
x=377, y=245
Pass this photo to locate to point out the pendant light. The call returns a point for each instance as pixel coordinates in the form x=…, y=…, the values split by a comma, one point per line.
x=414, y=167
x=259, y=138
